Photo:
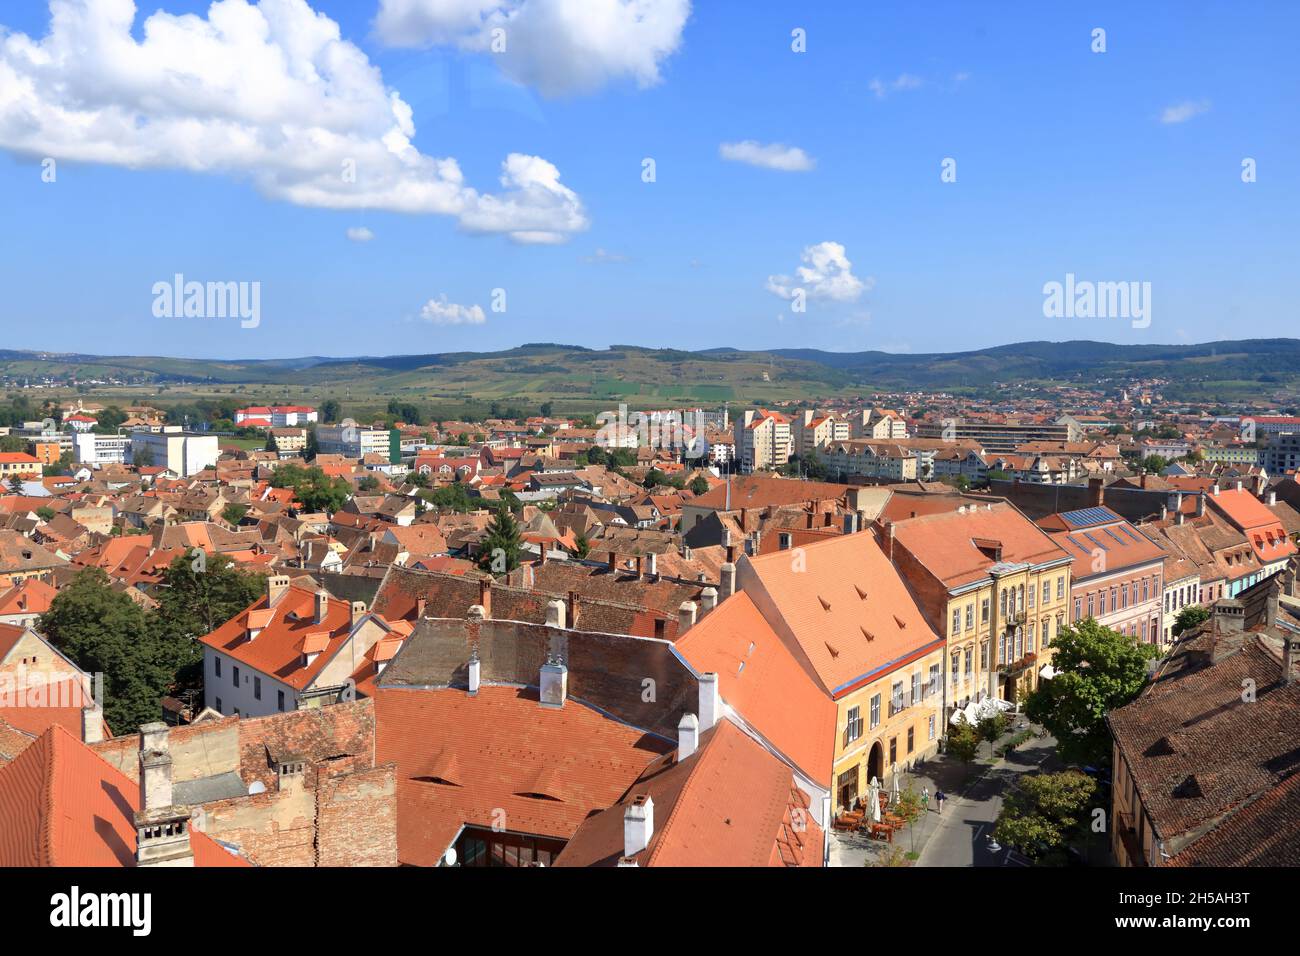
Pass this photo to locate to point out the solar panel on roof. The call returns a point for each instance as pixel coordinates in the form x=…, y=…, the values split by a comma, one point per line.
x=1130, y=532
x=1115, y=536
x=1087, y=516
x=1095, y=541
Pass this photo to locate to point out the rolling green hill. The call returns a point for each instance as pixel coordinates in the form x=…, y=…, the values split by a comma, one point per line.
x=585, y=379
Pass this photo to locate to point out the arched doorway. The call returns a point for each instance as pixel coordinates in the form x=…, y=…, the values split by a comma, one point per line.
x=876, y=763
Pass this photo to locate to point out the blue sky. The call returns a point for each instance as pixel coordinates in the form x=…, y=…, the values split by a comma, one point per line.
x=1067, y=162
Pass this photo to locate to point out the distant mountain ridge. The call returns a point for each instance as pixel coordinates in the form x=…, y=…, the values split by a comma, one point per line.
x=723, y=373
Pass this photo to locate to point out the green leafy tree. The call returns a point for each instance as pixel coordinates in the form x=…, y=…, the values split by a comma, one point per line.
x=1097, y=671
x=910, y=809
x=449, y=498
x=16, y=484
x=312, y=487
x=992, y=727
x=1190, y=617
x=963, y=742
x=105, y=632
x=581, y=546
x=45, y=513
x=654, y=477
x=1155, y=464
x=330, y=411
x=1046, y=812
x=368, y=483
x=501, y=545
x=233, y=513
x=699, y=485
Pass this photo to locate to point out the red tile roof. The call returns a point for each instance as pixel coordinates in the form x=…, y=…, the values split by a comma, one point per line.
x=847, y=608
x=729, y=804
x=761, y=680
x=499, y=752
x=61, y=804
x=278, y=650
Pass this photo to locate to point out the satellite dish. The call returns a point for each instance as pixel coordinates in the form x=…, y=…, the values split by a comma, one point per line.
x=256, y=787
x=450, y=856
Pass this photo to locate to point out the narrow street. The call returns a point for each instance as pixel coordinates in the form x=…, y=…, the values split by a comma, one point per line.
x=961, y=836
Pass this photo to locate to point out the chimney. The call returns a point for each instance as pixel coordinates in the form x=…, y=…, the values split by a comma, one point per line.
x=640, y=562
x=289, y=772
x=573, y=610
x=1142, y=481
x=420, y=605
x=889, y=551
x=555, y=614
x=1236, y=485
x=726, y=537
x=485, y=596
x=1229, y=616
x=162, y=830
x=92, y=723
x=1200, y=505
x=476, y=612
x=1164, y=512
x=652, y=566
x=1096, y=492
x=475, y=673
x=710, y=703
x=554, y=688
x=613, y=562
x=708, y=600
x=322, y=605
x=1290, y=655
x=688, y=736
x=1272, y=499
x=1215, y=490
x=358, y=611
x=728, y=580
x=638, y=825
x=685, y=617
x=276, y=586
x=1179, y=518
x=155, y=767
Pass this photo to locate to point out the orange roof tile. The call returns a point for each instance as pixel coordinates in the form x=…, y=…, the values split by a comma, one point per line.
x=834, y=640
x=500, y=739
x=61, y=804
x=761, y=680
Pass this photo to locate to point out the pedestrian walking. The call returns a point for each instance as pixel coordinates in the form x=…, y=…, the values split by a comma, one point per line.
x=925, y=797
x=939, y=797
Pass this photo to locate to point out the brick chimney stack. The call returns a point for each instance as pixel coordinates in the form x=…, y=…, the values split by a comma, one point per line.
x=162, y=829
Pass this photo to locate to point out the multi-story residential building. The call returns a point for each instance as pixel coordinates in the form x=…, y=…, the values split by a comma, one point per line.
x=845, y=613
x=996, y=585
x=1281, y=453
x=354, y=441
x=291, y=648
x=872, y=459
x=878, y=424
x=1201, y=779
x=1231, y=454
x=182, y=453
x=289, y=442
x=17, y=464
x=763, y=440
x=1118, y=573
x=812, y=431
x=96, y=450
x=275, y=416
x=1260, y=526
x=1002, y=436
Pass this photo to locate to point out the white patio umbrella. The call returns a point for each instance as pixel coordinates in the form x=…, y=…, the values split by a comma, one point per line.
x=873, y=794
x=895, y=788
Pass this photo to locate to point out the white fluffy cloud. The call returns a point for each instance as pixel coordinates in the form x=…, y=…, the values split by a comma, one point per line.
x=901, y=84
x=1182, y=112
x=266, y=91
x=789, y=159
x=441, y=312
x=360, y=234
x=826, y=273
x=560, y=47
